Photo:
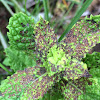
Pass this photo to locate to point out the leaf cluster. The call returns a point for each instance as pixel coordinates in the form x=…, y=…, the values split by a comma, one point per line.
x=94, y=58
x=58, y=65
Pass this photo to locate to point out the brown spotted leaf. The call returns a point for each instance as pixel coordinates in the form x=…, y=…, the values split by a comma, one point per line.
x=45, y=38
x=26, y=85
x=82, y=37
x=72, y=89
x=80, y=40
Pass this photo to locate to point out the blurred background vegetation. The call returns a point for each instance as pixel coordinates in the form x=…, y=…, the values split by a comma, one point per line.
x=59, y=14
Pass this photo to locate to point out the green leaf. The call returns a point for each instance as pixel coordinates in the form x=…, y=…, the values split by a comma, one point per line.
x=18, y=60
x=21, y=36
x=92, y=60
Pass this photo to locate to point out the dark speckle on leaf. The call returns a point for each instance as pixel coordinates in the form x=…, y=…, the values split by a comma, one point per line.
x=33, y=75
x=22, y=25
x=86, y=74
x=42, y=70
x=17, y=40
x=91, y=21
x=33, y=40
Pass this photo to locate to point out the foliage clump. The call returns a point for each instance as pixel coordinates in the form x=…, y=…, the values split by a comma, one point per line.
x=55, y=62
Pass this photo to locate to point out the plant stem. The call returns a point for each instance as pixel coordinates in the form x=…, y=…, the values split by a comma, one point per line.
x=75, y=19
x=17, y=5
x=61, y=21
x=21, y=9
x=3, y=42
x=46, y=9
x=25, y=6
x=3, y=67
x=37, y=7
x=7, y=7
